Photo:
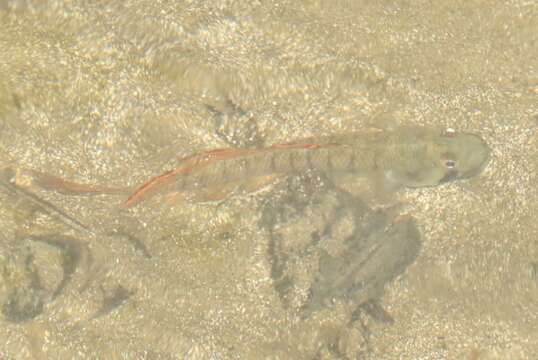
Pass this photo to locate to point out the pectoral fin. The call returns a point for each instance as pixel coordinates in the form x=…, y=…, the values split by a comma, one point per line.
x=384, y=187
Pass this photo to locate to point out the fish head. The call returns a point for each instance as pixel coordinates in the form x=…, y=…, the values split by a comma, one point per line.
x=448, y=156
x=463, y=155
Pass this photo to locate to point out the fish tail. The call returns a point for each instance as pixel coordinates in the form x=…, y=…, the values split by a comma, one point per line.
x=54, y=183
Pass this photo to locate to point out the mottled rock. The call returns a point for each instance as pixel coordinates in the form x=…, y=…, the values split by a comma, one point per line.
x=21, y=292
x=328, y=246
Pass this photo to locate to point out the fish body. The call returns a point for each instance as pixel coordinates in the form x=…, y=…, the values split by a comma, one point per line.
x=403, y=157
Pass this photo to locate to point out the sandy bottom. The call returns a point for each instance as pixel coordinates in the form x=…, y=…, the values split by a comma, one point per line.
x=114, y=92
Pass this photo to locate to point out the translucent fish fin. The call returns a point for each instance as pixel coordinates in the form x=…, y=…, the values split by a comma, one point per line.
x=214, y=193
x=221, y=192
x=386, y=120
x=258, y=183
x=384, y=188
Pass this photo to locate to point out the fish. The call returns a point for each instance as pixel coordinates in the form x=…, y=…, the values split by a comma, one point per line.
x=407, y=156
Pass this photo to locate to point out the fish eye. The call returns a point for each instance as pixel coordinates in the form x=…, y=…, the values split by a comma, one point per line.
x=449, y=132
x=450, y=164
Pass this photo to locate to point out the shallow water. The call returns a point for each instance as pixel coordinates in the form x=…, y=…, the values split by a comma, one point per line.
x=112, y=93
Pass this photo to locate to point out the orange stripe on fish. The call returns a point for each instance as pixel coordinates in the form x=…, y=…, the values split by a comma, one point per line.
x=149, y=187
x=197, y=161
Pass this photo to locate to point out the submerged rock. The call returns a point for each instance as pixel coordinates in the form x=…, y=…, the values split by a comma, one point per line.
x=34, y=270
x=327, y=246
x=21, y=292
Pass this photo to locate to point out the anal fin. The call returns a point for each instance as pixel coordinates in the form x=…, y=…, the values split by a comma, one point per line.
x=210, y=194
x=258, y=183
x=221, y=192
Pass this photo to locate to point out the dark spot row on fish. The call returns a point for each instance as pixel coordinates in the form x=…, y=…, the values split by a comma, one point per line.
x=409, y=157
